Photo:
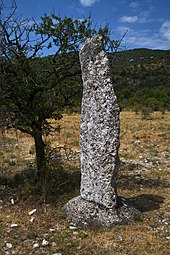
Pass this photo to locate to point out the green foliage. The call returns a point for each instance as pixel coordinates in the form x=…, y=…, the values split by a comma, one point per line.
x=141, y=79
x=35, y=89
x=145, y=113
x=65, y=33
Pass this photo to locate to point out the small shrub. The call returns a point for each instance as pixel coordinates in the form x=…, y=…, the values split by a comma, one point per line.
x=146, y=113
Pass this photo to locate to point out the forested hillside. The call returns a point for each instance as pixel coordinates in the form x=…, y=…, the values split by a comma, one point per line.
x=142, y=78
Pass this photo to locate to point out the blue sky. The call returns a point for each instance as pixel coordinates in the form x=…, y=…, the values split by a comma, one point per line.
x=147, y=21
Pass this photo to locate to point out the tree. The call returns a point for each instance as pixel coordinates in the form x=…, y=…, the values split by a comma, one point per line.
x=21, y=85
x=33, y=88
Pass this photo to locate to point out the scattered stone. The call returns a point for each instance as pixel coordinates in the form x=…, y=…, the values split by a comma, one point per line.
x=165, y=221
x=73, y=227
x=119, y=238
x=45, y=243
x=32, y=219
x=12, y=201
x=137, y=142
x=53, y=244
x=9, y=245
x=16, y=146
x=75, y=233
x=52, y=230
x=35, y=245
x=14, y=225
x=32, y=212
x=56, y=254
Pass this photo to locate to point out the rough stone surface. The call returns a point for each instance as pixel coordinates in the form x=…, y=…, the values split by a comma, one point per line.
x=89, y=214
x=98, y=203
x=99, y=131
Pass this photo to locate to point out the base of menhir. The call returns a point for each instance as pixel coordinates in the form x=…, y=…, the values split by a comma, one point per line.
x=84, y=213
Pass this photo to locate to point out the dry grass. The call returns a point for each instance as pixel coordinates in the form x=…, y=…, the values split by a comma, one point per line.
x=144, y=177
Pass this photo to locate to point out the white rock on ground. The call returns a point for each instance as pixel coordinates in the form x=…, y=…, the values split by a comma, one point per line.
x=14, y=225
x=35, y=245
x=45, y=243
x=32, y=212
x=9, y=245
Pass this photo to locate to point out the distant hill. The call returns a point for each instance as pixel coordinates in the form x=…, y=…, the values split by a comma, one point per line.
x=142, y=78
x=141, y=55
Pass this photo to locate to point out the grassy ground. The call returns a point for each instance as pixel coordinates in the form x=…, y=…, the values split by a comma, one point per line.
x=143, y=177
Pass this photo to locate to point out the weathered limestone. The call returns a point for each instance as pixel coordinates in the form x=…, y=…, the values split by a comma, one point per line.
x=99, y=131
x=98, y=203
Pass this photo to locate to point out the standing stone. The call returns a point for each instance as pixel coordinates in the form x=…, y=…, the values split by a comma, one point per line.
x=98, y=203
x=100, y=127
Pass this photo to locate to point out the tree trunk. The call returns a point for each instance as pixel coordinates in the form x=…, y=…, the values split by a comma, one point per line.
x=39, y=148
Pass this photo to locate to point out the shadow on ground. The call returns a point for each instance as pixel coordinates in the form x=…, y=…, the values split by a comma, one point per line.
x=138, y=180
x=63, y=182
x=146, y=202
x=52, y=186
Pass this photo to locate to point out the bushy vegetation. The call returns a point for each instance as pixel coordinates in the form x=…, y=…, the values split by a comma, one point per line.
x=141, y=79
x=34, y=89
